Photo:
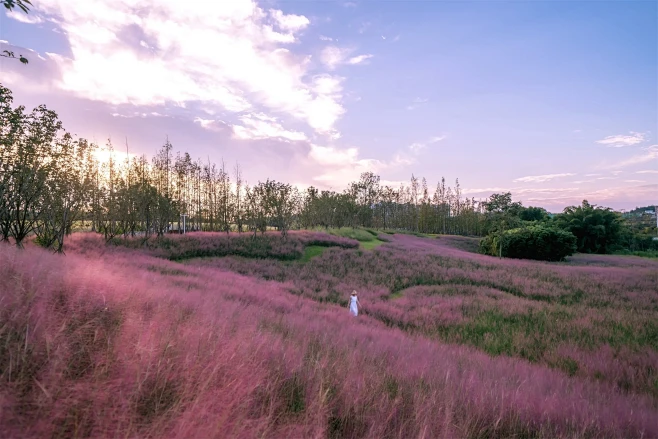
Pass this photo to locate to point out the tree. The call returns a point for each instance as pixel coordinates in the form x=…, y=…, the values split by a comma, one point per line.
x=533, y=214
x=597, y=229
x=531, y=242
x=66, y=192
x=28, y=166
x=10, y=5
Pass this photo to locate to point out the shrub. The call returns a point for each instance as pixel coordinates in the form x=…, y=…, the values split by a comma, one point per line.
x=531, y=242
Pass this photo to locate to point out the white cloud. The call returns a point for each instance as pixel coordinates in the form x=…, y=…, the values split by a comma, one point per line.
x=632, y=194
x=211, y=124
x=339, y=166
x=634, y=181
x=647, y=171
x=650, y=155
x=359, y=59
x=620, y=141
x=289, y=22
x=29, y=18
x=325, y=38
x=488, y=190
x=326, y=155
x=416, y=147
x=541, y=178
x=253, y=126
x=227, y=54
x=416, y=103
x=592, y=175
x=333, y=56
x=261, y=126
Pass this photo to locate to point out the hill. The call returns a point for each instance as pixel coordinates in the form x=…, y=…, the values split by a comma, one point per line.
x=126, y=340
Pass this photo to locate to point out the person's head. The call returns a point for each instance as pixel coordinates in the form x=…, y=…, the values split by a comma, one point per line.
x=354, y=293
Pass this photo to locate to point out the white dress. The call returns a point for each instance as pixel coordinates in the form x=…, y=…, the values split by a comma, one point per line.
x=354, y=309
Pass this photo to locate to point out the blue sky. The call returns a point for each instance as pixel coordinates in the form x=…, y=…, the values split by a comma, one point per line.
x=555, y=101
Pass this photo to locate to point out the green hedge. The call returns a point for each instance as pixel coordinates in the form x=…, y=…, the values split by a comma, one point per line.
x=531, y=242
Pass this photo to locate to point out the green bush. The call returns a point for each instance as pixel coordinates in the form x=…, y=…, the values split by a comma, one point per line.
x=531, y=242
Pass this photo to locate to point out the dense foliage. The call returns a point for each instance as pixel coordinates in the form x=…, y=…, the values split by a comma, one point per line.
x=531, y=242
x=597, y=229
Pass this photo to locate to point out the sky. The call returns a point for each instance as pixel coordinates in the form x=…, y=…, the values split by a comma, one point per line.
x=554, y=101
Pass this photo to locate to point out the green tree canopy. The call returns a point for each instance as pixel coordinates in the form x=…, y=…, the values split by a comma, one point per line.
x=597, y=229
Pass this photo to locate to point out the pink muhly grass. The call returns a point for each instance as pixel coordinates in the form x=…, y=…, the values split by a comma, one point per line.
x=186, y=350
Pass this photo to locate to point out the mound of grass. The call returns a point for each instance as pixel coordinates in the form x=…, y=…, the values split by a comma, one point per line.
x=369, y=245
x=360, y=235
x=466, y=243
x=312, y=251
x=205, y=244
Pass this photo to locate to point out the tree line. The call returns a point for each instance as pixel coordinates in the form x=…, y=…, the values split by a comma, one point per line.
x=51, y=182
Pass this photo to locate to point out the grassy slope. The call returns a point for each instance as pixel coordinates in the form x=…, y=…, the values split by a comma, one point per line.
x=368, y=238
x=121, y=343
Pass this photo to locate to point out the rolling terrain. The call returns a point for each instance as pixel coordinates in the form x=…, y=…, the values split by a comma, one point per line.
x=209, y=335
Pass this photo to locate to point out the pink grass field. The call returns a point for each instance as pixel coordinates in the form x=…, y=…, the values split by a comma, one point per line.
x=115, y=341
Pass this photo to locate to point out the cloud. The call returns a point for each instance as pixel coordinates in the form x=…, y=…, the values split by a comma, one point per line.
x=364, y=26
x=359, y=59
x=416, y=103
x=333, y=56
x=253, y=126
x=628, y=195
x=620, y=141
x=592, y=175
x=541, y=178
x=29, y=18
x=651, y=154
x=229, y=55
x=647, y=171
x=337, y=166
x=213, y=125
x=260, y=126
x=290, y=22
x=416, y=147
x=633, y=181
x=325, y=38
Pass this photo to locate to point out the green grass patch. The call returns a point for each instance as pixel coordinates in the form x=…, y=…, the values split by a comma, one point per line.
x=395, y=295
x=358, y=234
x=369, y=245
x=652, y=254
x=529, y=335
x=312, y=251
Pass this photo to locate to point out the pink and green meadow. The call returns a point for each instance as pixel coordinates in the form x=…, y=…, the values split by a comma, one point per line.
x=228, y=336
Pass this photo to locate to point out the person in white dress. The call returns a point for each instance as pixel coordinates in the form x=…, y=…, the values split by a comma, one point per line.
x=354, y=304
